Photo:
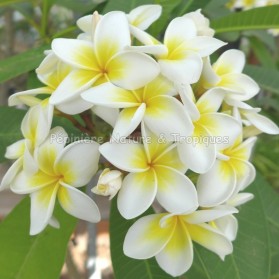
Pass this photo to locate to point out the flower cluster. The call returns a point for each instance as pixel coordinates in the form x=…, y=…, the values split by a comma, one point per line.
x=173, y=114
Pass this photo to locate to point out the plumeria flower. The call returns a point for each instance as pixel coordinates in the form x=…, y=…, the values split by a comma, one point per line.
x=202, y=23
x=251, y=117
x=102, y=60
x=169, y=238
x=153, y=104
x=109, y=183
x=246, y=4
x=180, y=57
x=230, y=173
x=60, y=171
x=226, y=73
x=155, y=171
x=35, y=127
x=213, y=130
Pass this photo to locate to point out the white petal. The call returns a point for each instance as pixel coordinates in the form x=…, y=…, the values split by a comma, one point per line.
x=187, y=70
x=74, y=52
x=110, y=95
x=127, y=122
x=72, y=85
x=74, y=106
x=156, y=49
x=15, y=150
x=54, y=222
x=127, y=155
x=109, y=115
x=145, y=238
x=11, y=174
x=240, y=199
x=204, y=45
x=30, y=166
x=231, y=61
x=177, y=256
x=136, y=194
x=228, y=225
x=207, y=215
x=42, y=205
x=176, y=192
x=262, y=123
x=217, y=185
x=209, y=77
x=143, y=16
x=132, y=70
x=211, y=239
x=111, y=35
x=165, y=116
x=78, y=204
x=70, y=164
x=85, y=23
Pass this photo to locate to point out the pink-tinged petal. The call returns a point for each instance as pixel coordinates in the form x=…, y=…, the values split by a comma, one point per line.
x=109, y=115
x=136, y=194
x=11, y=174
x=211, y=100
x=24, y=96
x=186, y=70
x=207, y=215
x=70, y=164
x=132, y=70
x=78, y=204
x=77, y=53
x=262, y=123
x=146, y=238
x=111, y=36
x=15, y=150
x=128, y=121
x=211, y=239
x=143, y=16
x=204, y=45
x=109, y=95
x=165, y=116
x=223, y=128
x=126, y=155
x=196, y=152
x=241, y=87
x=217, y=185
x=71, y=87
x=179, y=31
x=176, y=192
x=42, y=206
x=177, y=256
x=228, y=225
x=231, y=61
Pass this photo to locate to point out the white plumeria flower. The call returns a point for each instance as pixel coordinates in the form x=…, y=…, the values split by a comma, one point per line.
x=230, y=173
x=213, y=130
x=60, y=170
x=155, y=171
x=109, y=183
x=251, y=117
x=35, y=128
x=226, y=73
x=152, y=104
x=202, y=23
x=180, y=57
x=104, y=59
x=169, y=238
x=246, y=4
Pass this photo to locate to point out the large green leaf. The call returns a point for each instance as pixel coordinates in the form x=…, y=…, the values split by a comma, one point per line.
x=26, y=257
x=267, y=78
x=251, y=256
x=124, y=267
x=21, y=63
x=259, y=18
x=124, y=5
x=10, y=2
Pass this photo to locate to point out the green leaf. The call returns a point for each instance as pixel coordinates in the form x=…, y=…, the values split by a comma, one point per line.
x=267, y=78
x=251, y=256
x=10, y=2
x=259, y=18
x=124, y=5
x=26, y=257
x=81, y=6
x=21, y=63
x=124, y=267
x=190, y=5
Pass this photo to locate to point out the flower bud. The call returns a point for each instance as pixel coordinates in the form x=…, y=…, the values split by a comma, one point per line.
x=109, y=183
